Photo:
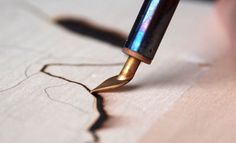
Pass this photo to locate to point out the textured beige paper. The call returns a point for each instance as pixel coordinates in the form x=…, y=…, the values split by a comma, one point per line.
x=39, y=108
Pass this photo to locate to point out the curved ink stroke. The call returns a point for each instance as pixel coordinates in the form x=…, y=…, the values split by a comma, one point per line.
x=103, y=116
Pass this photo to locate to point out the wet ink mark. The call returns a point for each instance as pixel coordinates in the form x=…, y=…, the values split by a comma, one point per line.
x=103, y=116
x=91, y=30
x=101, y=119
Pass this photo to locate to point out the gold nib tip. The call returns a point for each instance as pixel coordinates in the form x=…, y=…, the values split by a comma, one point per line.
x=110, y=84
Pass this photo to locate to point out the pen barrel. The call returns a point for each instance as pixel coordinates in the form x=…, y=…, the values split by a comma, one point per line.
x=149, y=29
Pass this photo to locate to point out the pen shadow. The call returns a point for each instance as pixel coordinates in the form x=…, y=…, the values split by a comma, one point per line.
x=91, y=30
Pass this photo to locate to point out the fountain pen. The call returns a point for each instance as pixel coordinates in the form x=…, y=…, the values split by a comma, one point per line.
x=143, y=40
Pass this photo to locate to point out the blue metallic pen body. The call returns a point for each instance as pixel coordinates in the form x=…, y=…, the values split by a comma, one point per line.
x=149, y=28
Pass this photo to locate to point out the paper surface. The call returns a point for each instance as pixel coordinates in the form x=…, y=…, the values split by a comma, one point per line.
x=44, y=68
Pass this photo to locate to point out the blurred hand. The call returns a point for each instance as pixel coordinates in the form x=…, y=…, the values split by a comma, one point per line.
x=227, y=13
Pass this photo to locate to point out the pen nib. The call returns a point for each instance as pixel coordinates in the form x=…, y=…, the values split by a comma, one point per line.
x=126, y=74
x=110, y=84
